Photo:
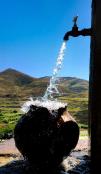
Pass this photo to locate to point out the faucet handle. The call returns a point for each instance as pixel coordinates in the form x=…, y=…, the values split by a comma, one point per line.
x=75, y=20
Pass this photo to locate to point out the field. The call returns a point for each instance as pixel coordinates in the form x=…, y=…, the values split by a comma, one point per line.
x=10, y=113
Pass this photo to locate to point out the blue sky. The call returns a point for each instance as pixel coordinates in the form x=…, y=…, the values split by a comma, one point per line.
x=31, y=33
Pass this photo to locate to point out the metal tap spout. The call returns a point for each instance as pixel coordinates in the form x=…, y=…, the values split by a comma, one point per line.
x=75, y=32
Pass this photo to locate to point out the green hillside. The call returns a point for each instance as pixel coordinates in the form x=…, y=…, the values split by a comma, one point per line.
x=16, y=87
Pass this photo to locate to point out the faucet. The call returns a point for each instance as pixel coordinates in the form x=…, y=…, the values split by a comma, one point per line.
x=75, y=32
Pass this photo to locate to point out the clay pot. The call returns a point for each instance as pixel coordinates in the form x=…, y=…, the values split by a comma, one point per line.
x=45, y=137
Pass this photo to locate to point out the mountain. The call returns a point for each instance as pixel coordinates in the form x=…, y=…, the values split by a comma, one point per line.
x=16, y=77
x=15, y=83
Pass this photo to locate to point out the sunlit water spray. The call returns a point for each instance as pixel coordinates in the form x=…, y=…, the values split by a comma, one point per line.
x=52, y=88
x=49, y=104
x=47, y=100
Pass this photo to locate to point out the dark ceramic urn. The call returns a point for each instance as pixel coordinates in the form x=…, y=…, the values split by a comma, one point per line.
x=44, y=138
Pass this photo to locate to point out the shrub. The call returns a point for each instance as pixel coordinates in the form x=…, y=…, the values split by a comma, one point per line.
x=5, y=121
x=1, y=114
x=14, y=111
x=6, y=132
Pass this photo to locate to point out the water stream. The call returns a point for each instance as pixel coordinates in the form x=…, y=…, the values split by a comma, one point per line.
x=52, y=88
x=48, y=100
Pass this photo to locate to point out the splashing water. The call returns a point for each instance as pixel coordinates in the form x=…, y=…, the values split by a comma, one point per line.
x=50, y=105
x=52, y=88
x=47, y=100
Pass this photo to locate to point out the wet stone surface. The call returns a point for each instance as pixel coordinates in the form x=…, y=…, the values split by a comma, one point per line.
x=77, y=163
